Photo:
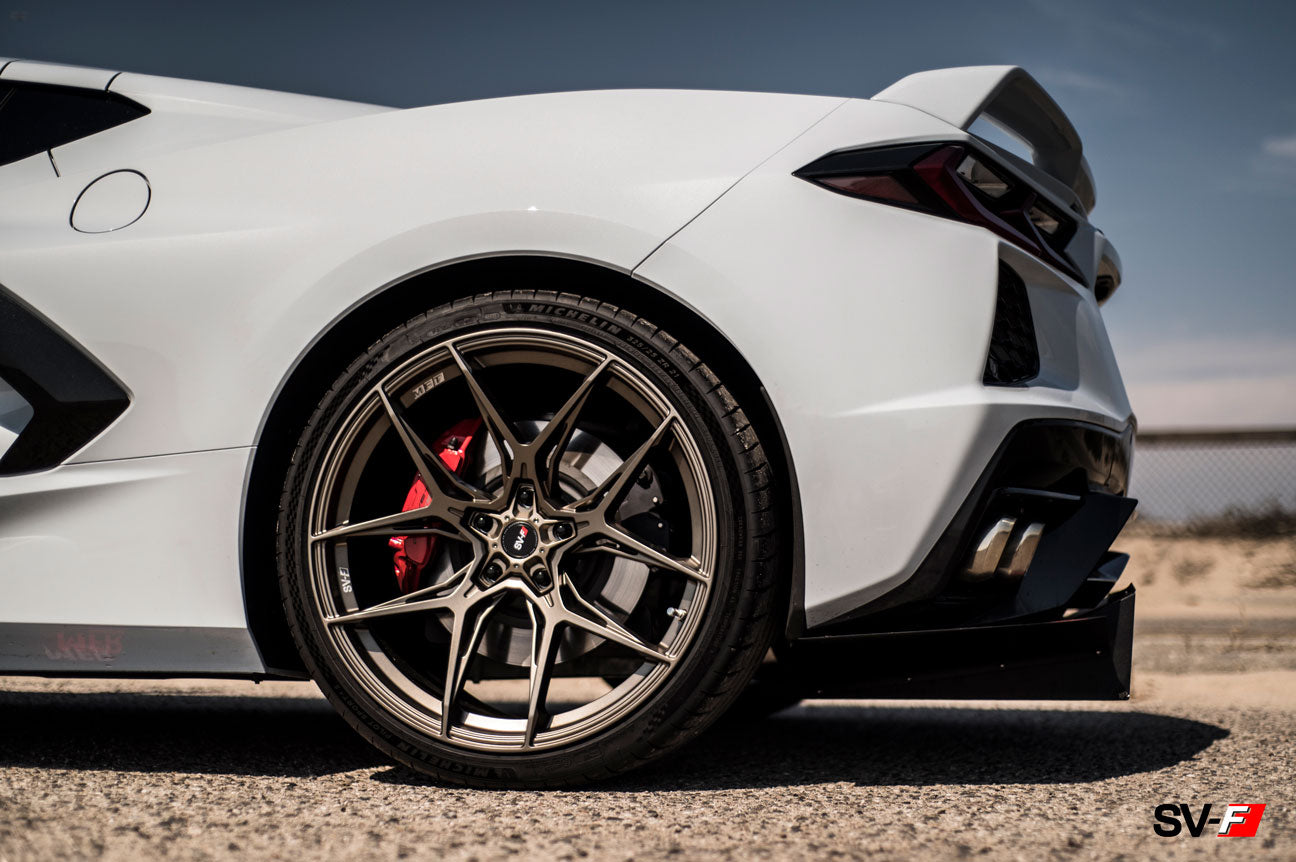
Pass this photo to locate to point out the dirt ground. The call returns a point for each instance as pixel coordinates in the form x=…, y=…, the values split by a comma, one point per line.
x=1241, y=580
x=128, y=770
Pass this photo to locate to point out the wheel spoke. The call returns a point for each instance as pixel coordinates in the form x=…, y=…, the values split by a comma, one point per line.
x=431, y=469
x=604, y=497
x=425, y=599
x=370, y=526
x=460, y=655
x=457, y=535
x=630, y=548
x=549, y=444
x=500, y=432
x=609, y=629
x=543, y=647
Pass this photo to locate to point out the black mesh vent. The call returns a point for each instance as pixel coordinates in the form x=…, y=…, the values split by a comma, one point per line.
x=1014, y=355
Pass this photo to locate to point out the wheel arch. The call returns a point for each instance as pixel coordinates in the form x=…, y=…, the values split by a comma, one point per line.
x=306, y=383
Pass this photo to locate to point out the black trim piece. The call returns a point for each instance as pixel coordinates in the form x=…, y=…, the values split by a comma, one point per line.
x=1085, y=657
x=1101, y=581
x=1069, y=554
x=39, y=117
x=73, y=399
x=1014, y=356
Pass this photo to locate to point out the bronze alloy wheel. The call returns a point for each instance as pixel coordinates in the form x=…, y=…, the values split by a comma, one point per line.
x=512, y=552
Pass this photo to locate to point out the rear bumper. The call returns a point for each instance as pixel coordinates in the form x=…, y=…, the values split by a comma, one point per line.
x=1051, y=631
x=1083, y=657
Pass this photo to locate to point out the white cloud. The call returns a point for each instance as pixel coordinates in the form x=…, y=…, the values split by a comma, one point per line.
x=1282, y=147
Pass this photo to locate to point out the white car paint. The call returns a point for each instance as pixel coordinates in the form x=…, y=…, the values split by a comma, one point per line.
x=272, y=215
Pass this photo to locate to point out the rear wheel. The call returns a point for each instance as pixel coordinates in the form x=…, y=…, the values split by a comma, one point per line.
x=527, y=539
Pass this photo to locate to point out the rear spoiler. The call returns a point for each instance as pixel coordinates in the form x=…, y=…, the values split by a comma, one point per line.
x=1010, y=98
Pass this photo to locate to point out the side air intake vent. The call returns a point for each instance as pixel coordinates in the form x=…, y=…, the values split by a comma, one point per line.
x=1014, y=354
x=55, y=398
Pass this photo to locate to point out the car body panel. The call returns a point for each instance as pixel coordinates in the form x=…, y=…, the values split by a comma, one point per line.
x=163, y=565
x=272, y=217
x=267, y=240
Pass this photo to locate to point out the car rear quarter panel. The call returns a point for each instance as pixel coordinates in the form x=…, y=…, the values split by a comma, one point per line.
x=251, y=248
x=869, y=326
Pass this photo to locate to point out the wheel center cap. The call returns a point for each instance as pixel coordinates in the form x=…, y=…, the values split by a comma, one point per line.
x=519, y=540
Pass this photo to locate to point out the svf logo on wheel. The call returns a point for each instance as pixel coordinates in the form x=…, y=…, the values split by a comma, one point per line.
x=1239, y=820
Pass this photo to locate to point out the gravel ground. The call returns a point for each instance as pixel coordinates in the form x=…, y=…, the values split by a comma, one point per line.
x=215, y=770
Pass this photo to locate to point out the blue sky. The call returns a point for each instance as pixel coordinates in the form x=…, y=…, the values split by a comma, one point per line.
x=1187, y=110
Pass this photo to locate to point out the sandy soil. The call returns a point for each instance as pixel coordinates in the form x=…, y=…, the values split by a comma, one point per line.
x=1187, y=578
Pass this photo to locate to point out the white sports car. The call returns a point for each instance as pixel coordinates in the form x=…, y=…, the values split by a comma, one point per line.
x=533, y=430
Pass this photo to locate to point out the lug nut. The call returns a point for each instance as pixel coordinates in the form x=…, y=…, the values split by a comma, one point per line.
x=482, y=523
x=541, y=577
x=492, y=573
x=563, y=530
x=525, y=496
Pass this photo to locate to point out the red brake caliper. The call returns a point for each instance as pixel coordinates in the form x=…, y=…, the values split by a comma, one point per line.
x=414, y=552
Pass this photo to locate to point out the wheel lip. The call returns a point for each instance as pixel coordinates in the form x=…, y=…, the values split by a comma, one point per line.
x=426, y=720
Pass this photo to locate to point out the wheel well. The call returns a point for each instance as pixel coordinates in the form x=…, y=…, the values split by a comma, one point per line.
x=369, y=321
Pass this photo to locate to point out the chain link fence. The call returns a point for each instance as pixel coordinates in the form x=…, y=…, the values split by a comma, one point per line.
x=1222, y=482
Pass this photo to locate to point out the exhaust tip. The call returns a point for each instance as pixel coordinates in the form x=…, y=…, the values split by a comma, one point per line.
x=1021, y=550
x=989, y=550
x=1006, y=548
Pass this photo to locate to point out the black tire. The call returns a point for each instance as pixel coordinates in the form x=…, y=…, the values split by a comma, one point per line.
x=770, y=692
x=740, y=615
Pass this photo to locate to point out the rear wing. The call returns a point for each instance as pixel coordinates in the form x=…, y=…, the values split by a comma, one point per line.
x=1011, y=99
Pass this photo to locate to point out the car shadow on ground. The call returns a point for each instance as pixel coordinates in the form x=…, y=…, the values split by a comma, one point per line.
x=867, y=744
x=199, y=734
x=929, y=745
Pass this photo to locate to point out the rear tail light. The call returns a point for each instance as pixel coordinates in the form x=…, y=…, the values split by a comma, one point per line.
x=951, y=181
x=1045, y=222
x=975, y=173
